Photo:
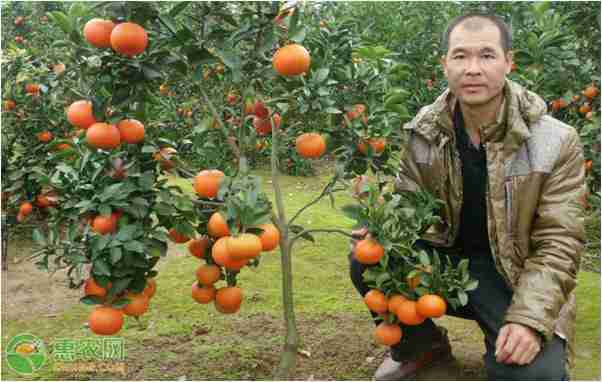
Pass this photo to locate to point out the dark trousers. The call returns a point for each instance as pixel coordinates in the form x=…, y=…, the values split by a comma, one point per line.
x=487, y=306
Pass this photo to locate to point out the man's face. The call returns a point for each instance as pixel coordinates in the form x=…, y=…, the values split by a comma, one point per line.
x=475, y=65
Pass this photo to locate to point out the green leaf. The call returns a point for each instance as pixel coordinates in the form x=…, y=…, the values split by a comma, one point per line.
x=230, y=58
x=151, y=72
x=146, y=181
x=332, y=110
x=62, y=21
x=424, y=258
x=321, y=74
x=116, y=255
x=135, y=246
x=463, y=297
x=119, y=285
x=179, y=7
x=98, y=243
x=472, y=285
x=197, y=56
x=127, y=232
x=100, y=267
x=353, y=211
x=299, y=35
x=169, y=22
x=38, y=237
x=122, y=302
x=92, y=300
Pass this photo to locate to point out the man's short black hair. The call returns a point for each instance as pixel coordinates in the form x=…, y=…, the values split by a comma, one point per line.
x=505, y=32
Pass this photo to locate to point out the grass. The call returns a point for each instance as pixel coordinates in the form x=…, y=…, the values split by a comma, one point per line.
x=184, y=339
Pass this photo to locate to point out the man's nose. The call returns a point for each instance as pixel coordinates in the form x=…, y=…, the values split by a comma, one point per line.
x=474, y=66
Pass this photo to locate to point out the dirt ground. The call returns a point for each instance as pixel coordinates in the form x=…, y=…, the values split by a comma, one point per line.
x=332, y=346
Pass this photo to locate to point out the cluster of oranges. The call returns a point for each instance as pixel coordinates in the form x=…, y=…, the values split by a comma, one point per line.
x=261, y=120
x=585, y=108
x=128, y=39
x=108, y=320
x=222, y=251
x=408, y=312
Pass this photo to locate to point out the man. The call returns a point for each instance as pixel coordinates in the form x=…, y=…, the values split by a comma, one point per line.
x=511, y=178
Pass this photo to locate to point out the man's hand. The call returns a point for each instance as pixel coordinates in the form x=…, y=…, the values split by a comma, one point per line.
x=358, y=234
x=517, y=344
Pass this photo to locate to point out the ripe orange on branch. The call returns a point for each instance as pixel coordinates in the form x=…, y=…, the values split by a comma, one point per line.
x=197, y=247
x=32, y=88
x=129, y=39
x=228, y=299
x=208, y=274
x=291, y=60
x=131, y=131
x=106, y=320
x=103, y=224
x=376, y=301
x=368, y=251
x=92, y=288
x=103, y=136
x=270, y=237
x=217, y=226
x=80, y=114
x=431, y=306
x=243, y=246
x=177, y=237
x=138, y=305
x=377, y=145
x=44, y=136
x=98, y=32
x=203, y=294
x=407, y=313
x=310, y=145
x=219, y=253
x=387, y=334
x=207, y=183
x=26, y=208
x=9, y=105
x=591, y=92
x=151, y=288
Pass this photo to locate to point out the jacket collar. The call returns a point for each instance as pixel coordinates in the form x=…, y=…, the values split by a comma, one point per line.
x=520, y=109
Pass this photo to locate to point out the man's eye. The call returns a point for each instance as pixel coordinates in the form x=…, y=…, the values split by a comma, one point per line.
x=459, y=57
x=489, y=56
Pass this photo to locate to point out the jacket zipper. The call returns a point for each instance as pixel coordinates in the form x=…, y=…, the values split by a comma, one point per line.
x=508, y=187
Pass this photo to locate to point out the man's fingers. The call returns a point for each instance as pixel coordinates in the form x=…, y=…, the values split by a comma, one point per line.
x=520, y=354
x=505, y=353
x=501, y=339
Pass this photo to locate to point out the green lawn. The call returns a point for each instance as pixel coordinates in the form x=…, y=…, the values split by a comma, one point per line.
x=184, y=339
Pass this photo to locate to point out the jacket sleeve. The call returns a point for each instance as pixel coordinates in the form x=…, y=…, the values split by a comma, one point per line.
x=409, y=177
x=557, y=239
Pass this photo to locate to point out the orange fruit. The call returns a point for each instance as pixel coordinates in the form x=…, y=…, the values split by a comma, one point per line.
x=408, y=314
x=9, y=105
x=150, y=288
x=103, y=136
x=588, y=165
x=138, y=305
x=270, y=237
x=19, y=40
x=19, y=20
x=260, y=110
x=208, y=274
x=369, y=251
x=310, y=145
x=91, y=288
x=129, y=39
x=103, y=224
x=44, y=136
x=25, y=208
x=98, y=32
x=197, y=247
x=32, y=88
x=219, y=253
x=387, y=334
x=131, y=131
x=590, y=92
x=228, y=299
x=376, y=301
x=262, y=126
x=291, y=60
x=203, y=294
x=217, y=226
x=106, y=320
x=243, y=246
x=43, y=201
x=177, y=237
x=431, y=305
x=80, y=114
x=232, y=98
x=377, y=144
x=394, y=302
x=207, y=183
x=585, y=108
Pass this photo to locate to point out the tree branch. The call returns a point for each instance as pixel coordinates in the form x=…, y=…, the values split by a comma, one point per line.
x=325, y=230
x=327, y=190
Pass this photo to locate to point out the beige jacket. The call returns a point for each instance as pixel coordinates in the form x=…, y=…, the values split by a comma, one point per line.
x=535, y=201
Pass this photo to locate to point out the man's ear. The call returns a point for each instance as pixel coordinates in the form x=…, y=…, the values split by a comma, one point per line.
x=443, y=62
x=509, y=61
